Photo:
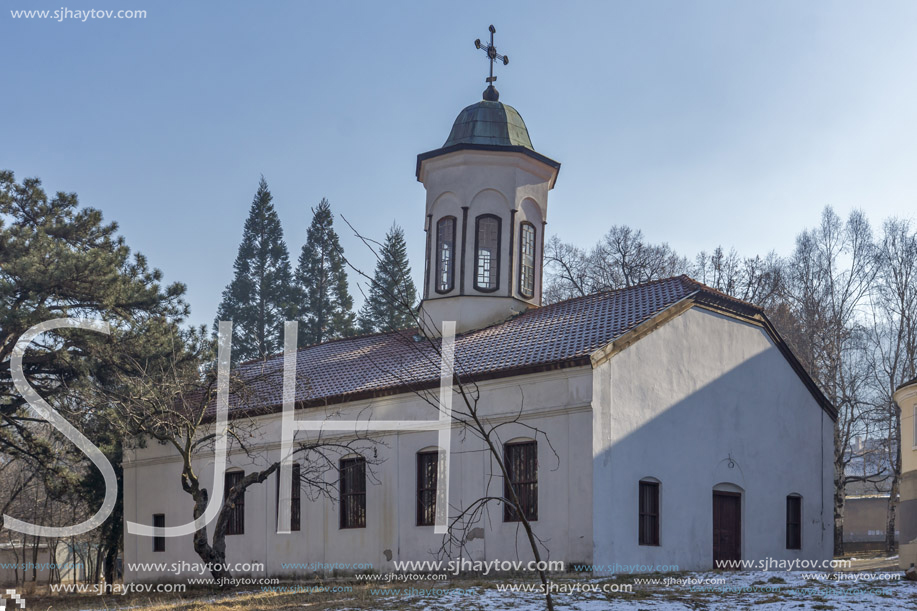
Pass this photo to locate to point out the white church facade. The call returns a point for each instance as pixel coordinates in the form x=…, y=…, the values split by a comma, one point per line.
x=674, y=425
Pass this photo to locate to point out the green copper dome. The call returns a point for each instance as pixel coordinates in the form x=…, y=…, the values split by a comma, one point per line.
x=489, y=123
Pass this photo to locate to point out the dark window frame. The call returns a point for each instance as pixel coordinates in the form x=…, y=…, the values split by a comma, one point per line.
x=495, y=263
x=522, y=227
x=427, y=476
x=793, y=521
x=648, y=512
x=352, y=492
x=526, y=453
x=438, y=257
x=159, y=541
x=295, y=498
x=235, y=525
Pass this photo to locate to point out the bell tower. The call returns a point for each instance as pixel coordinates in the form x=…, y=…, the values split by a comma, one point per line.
x=486, y=210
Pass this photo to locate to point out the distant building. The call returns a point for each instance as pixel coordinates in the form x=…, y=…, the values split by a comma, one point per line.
x=866, y=501
x=906, y=398
x=44, y=562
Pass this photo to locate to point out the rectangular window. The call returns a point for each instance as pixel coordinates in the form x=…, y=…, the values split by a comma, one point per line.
x=527, y=260
x=427, y=465
x=794, y=522
x=353, y=493
x=521, y=460
x=295, y=498
x=236, y=523
x=159, y=542
x=295, y=490
x=649, y=513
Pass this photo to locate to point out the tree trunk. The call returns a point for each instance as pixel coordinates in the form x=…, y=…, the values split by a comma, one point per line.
x=97, y=570
x=891, y=546
x=110, y=558
x=35, y=545
x=215, y=554
x=838, y=513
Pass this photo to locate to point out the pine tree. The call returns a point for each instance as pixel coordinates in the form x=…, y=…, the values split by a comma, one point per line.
x=60, y=259
x=260, y=296
x=392, y=293
x=324, y=301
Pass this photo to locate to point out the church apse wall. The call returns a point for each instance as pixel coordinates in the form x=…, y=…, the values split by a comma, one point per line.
x=705, y=403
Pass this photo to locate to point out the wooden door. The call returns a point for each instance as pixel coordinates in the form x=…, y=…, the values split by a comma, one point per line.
x=727, y=527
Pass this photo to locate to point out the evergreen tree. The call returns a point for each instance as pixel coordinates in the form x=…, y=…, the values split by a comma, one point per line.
x=59, y=259
x=260, y=296
x=392, y=293
x=324, y=301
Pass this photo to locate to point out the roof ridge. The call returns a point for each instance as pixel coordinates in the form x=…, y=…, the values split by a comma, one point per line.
x=607, y=292
x=718, y=293
x=531, y=312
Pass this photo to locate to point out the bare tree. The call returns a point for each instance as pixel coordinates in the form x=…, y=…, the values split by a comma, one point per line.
x=568, y=271
x=622, y=258
x=893, y=336
x=755, y=279
x=172, y=401
x=828, y=278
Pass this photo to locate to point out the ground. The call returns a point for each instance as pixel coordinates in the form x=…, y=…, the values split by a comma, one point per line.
x=868, y=584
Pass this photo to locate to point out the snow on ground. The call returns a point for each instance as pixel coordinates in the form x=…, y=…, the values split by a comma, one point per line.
x=878, y=589
x=714, y=591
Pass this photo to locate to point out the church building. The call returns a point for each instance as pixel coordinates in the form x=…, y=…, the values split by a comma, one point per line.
x=665, y=424
x=906, y=399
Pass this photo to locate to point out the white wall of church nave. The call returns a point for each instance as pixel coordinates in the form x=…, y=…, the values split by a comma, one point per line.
x=556, y=403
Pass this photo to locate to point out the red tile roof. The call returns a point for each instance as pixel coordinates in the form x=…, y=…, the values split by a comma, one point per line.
x=559, y=335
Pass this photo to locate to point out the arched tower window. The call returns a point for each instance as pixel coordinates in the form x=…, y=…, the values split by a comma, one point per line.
x=445, y=254
x=527, y=259
x=487, y=253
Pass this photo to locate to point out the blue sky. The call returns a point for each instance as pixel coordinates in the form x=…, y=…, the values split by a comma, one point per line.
x=701, y=123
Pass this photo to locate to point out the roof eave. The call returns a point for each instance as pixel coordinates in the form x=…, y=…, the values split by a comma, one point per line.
x=555, y=165
x=400, y=389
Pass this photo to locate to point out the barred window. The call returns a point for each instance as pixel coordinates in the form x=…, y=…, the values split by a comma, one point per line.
x=527, y=260
x=521, y=460
x=794, y=522
x=487, y=253
x=236, y=523
x=445, y=254
x=427, y=465
x=353, y=492
x=649, y=513
x=159, y=541
x=295, y=496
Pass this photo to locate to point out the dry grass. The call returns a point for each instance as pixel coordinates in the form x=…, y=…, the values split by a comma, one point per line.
x=198, y=599
x=367, y=596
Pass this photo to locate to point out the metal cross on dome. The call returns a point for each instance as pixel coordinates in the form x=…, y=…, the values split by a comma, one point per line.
x=491, y=51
